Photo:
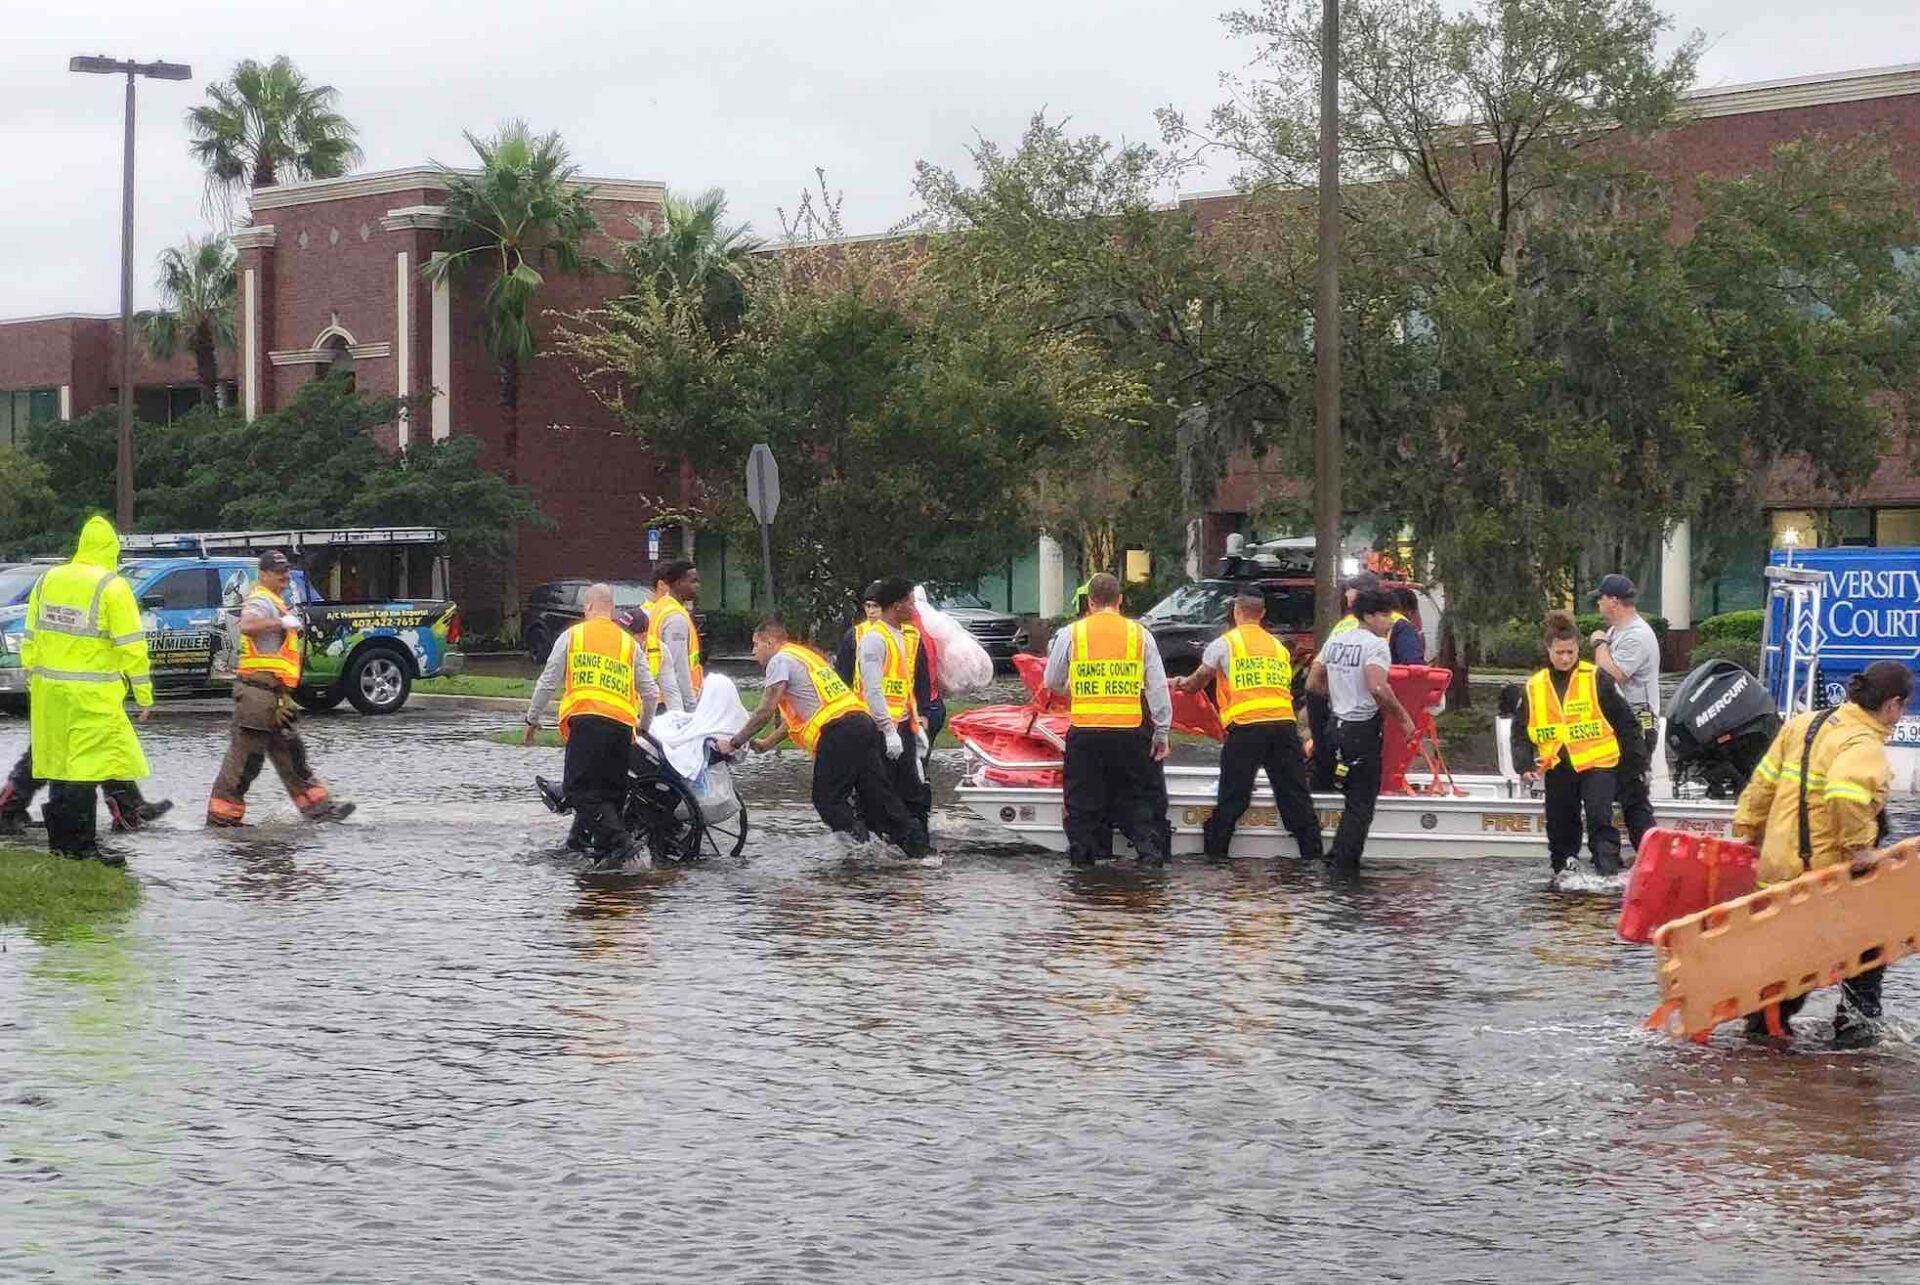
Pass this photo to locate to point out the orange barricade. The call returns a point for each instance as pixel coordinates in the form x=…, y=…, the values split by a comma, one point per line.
x=1420, y=688
x=1678, y=873
x=1781, y=942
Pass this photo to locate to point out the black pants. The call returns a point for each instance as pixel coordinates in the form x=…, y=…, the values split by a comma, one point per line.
x=1319, y=718
x=1577, y=801
x=123, y=797
x=852, y=782
x=1633, y=790
x=1274, y=747
x=908, y=775
x=595, y=780
x=1358, y=756
x=1112, y=782
x=69, y=815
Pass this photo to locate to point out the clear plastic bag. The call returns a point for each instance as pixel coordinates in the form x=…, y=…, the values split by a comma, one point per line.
x=962, y=664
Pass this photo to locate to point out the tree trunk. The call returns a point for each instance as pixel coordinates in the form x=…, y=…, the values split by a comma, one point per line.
x=1453, y=657
x=263, y=170
x=207, y=368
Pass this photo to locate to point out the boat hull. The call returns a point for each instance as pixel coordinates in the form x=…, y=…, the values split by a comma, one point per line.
x=1490, y=820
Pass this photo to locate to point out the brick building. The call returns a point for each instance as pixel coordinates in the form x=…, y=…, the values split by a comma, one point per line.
x=330, y=281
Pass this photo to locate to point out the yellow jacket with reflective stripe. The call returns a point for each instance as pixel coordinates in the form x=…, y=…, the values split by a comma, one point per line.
x=1847, y=781
x=84, y=650
x=1106, y=672
x=283, y=663
x=599, y=674
x=836, y=699
x=659, y=611
x=897, y=683
x=1574, y=723
x=1257, y=684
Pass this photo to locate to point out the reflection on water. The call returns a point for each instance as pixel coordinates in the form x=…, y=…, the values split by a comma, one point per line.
x=429, y=1045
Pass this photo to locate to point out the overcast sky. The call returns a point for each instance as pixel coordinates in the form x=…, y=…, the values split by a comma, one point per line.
x=749, y=96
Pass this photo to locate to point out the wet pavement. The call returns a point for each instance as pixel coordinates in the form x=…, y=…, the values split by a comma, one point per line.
x=426, y=1046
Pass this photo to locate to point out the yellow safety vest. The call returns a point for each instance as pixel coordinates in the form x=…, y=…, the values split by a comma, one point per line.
x=599, y=675
x=659, y=611
x=1351, y=622
x=1106, y=675
x=1575, y=724
x=836, y=698
x=1257, y=684
x=897, y=682
x=281, y=665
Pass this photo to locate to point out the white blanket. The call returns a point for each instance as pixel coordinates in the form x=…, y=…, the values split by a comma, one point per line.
x=685, y=736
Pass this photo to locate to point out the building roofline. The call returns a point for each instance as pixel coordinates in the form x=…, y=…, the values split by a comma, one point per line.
x=60, y=316
x=1803, y=91
x=414, y=178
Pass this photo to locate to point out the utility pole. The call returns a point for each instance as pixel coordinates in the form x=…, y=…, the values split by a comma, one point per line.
x=123, y=485
x=1327, y=445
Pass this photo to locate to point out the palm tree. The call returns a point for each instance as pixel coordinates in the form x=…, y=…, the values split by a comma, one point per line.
x=197, y=289
x=266, y=125
x=522, y=208
x=689, y=246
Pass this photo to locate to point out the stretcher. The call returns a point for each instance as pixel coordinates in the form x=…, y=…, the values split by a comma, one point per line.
x=1678, y=873
x=1747, y=955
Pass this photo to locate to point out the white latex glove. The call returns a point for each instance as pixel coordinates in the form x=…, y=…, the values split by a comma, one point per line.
x=290, y=623
x=922, y=746
x=895, y=748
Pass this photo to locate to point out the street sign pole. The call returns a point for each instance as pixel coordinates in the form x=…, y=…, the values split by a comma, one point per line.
x=763, y=497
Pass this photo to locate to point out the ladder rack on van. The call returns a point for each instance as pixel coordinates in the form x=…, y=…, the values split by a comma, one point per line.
x=208, y=543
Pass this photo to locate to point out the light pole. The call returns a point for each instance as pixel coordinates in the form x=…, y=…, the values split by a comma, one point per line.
x=99, y=66
x=1327, y=445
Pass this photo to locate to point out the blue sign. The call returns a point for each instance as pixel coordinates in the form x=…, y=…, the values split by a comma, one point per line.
x=653, y=544
x=1869, y=610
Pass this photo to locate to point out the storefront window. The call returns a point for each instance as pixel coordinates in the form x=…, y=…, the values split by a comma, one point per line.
x=1795, y=527
x=1899, y=528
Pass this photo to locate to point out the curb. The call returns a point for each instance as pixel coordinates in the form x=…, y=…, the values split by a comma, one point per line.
x=517, y=703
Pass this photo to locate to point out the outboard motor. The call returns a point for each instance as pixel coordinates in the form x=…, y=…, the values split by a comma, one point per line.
x=1720, y=724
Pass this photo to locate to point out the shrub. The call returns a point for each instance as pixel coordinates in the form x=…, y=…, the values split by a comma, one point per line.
x=1740, y=651
x=730, y=629
x=1741, y=626
x=1516, y=644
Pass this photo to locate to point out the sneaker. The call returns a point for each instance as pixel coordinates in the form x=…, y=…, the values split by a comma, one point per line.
x=552, y=795
x=146, y=812
x=333, y=812
x=1851, y=1032
x=225, y=823
x=155, y=810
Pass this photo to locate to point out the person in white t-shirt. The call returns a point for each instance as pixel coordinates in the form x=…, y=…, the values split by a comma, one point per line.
x=1353, y=671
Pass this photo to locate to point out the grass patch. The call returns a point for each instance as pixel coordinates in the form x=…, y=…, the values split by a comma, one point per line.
x=55, y=899
x=1464, y=724
x=475, y=685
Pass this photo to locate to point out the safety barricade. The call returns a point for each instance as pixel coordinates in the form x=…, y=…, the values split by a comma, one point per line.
x=1678, y=873
x=1745, y=956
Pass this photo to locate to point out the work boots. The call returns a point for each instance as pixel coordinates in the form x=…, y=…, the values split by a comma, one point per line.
x=553, y=796
x=129, y=815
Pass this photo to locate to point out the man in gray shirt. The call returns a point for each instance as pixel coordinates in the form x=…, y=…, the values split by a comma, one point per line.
x=1354, y=672
x=1628, y=651
x=884, y=652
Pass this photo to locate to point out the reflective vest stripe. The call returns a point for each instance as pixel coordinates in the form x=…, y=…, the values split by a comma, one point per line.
x=1106, y=675
x=836, y=698
x=282, y=665
x=81, y=676
x=122, y=640
x=659, y=611
x=896, y=683
x=1257, y=684
x=598, y=677
x=1577, y=726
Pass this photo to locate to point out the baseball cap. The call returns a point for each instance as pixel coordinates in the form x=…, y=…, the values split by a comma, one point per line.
x=871, y=593
x=1615, y=585
x=274, y=560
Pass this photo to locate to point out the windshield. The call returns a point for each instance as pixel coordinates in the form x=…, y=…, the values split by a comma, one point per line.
x=1194, y=604
x=965, y=602
x=17, y=582
x=628, y=593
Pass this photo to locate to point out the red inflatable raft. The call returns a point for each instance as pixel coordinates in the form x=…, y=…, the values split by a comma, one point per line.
x=1677, y=873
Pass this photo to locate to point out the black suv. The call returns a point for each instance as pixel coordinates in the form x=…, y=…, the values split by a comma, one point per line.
x=1190, y=617
x=555, y=607
x=1001, y=634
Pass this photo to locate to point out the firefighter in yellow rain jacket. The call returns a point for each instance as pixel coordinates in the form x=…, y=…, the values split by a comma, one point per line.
x=85, y=652
x=1818, y=799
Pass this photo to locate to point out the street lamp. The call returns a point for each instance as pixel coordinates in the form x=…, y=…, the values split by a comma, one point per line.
x=123, y=491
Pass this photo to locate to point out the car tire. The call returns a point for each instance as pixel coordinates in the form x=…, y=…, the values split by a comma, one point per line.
x=318, y=700
x=538, y=645
x=379, y=680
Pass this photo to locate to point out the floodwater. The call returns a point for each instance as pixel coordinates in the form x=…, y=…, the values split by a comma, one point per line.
x=425, y=1046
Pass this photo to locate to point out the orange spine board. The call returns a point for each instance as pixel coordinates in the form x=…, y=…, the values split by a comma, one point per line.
x=1781, y=942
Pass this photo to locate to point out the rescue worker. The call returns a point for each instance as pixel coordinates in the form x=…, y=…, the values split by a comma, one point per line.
x=846, y=655
x=928, y=707
x=1354, y=672
x=265, y=719
x=607, y=696
x=125, y=804
x=889, y=659
x=1120, y=717
x=1573, y=730
x=1818, y=799
x=1252, y=675
x=85, y=652
x=1404, y=647
x=1628, y=651
x=673, y=643
x=824, y=718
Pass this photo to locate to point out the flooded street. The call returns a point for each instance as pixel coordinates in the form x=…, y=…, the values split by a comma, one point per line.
x=425, y=1046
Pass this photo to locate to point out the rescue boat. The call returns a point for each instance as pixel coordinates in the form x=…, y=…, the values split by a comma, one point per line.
x=1015, y=756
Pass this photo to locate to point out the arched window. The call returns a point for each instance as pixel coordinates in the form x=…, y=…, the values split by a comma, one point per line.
x=338, y=361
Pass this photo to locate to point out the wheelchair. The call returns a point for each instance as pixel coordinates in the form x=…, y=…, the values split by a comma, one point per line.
x=663, y=814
